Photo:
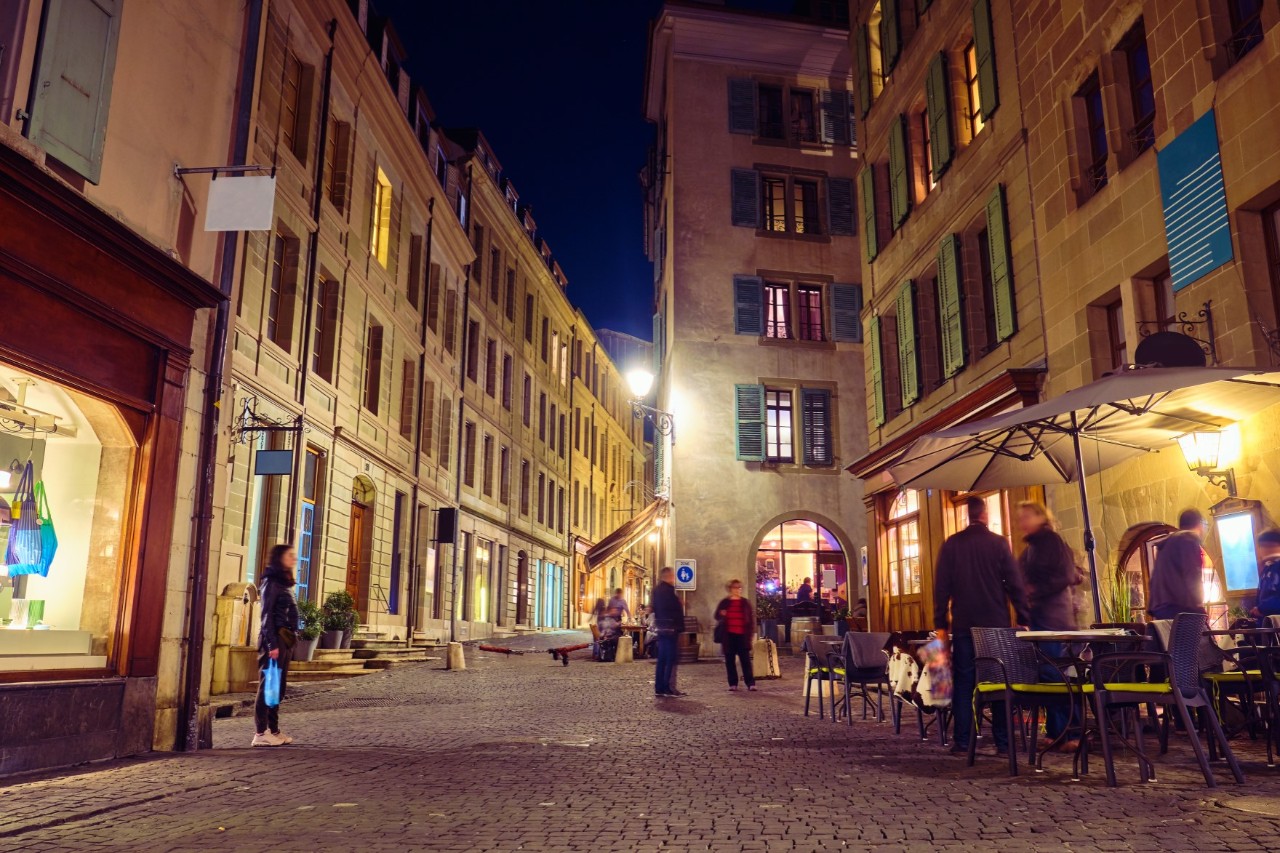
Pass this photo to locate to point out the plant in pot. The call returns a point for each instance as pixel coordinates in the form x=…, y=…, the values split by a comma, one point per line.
x=767, y=606
x=340, y=615
x=844, y=621
x=310, y=626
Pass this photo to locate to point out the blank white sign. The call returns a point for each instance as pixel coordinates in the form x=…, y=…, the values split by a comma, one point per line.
x=241, y=204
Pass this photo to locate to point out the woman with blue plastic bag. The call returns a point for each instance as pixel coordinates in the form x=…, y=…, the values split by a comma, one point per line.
x=275, y=643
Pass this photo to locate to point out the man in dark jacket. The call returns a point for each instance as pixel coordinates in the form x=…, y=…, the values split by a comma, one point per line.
x=1177, y=578
x=668, y=615
x=1268, y=577
x=975, y=581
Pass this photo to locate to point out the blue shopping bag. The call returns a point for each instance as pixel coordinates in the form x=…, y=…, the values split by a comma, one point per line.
x=271, y=684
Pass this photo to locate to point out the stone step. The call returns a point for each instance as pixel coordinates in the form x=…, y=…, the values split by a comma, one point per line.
x=388, y=663
x=390, y=654
x=333, y=654
x=322, y=675
x=377, y=644
x=325, y=666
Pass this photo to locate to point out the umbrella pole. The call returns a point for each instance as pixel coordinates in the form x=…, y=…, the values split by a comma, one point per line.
x=1089, y=544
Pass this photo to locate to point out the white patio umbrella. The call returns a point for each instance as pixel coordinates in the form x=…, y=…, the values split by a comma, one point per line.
x=1062, y=440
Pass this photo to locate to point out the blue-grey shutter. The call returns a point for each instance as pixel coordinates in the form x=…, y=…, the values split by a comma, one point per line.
x=748, y=417
x=72, y=90
x=951, y=307
x=984, y=47
x=742, y=106
x=938, y=107
x=867, y=185
x=815, y=404
x=745, y=189
x=1005, y=308
x=835, y=116
x=875, y=361
x=748, y=305
x=840, y=207
x=846, y=312
x=899, y=174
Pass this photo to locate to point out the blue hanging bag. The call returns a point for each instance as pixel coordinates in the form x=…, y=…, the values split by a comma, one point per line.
x=271, y=684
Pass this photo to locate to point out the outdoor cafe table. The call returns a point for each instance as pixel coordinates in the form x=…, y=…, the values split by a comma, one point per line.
x=1257, y=637
x=1097, y=640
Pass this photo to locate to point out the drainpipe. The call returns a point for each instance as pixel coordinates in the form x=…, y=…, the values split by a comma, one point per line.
x=462, y=412
x=309, y=291
x=415, y=523
x=188, y=734
x=572, y=597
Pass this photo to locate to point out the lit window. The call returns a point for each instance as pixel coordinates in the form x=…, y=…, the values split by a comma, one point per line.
x=805, y=211
x=971, y=88
x=809, y=313
x=902, y=543
x=803, y=124
x=778, y=427
x=380, y=235
x=778, y=321
x=927, y=180
x=775, y=211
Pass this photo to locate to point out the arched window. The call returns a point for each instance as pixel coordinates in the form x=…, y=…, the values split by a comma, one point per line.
x=790, y=553
x=902, y=544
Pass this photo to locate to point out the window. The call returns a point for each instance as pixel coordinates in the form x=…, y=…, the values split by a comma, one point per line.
x=778, y=306
x=1117, y=346
x=972, y=90
x=477, y=242
x=491, y=367
x=528, y=317
x=495, y=275
x=778, y=440
x=803, y=123
x=450, y=321
x=927, y=180
x=542, y=498
x=337, y=164
x=372, y=367
x=801, y=216
x=790, y=553
x=551, y=433
x=775, y=206
x=295, y=97
x=446, y=432
x=428, y=417
x=504, y=476
x=1162, y=286
x=1095, y=142
x=1271, y=229
x=902, y=544
x=487, y=465
x=506, y=381
x=542, y=417
x=1245, y=17
x=987, y=286
x=281, y=295
x=469, y=453
x=546, y=340
x=324, y=347
x=408, y=387
x=510, y=307
x=526, y=399
x=770, y=119
x=380, y=235
x=308, y=526
x=413, y=286
x=805, y=210
x=473, y=349
x=809, y=313
x=1141, y=89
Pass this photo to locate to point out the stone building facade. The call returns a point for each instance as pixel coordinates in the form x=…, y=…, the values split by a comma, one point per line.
x=750, y=224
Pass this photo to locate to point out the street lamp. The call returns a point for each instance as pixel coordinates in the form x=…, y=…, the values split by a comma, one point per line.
x=1207, y=453
x=640, y=382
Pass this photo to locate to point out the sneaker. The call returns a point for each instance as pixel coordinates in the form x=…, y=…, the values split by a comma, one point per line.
x=267, y=739
x=733, y=688
x=284, y=738
x=751, y=687
x=677, y=693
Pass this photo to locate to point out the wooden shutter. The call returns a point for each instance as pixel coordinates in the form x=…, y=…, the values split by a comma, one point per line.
x=840, y=207
x=835, y=116
x=745, y=189
x=846, y=312
x=393, y=236
x=984, y=46
x=742, y=106
x=877, y=370
x=428, y=417
x=749, y=422
x=433, y=298
x=1005, y=308
x=937, y=98
x=861, y=42
x=446, y=432
x=908, y=354
x=867, y=186
x=815, y=404
x=408, y=385
x=748, y=305
x=73, y=82
x=951, y=307
x=899, y=174
x=890, y=34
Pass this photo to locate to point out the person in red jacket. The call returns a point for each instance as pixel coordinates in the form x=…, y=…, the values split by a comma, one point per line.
x=736, y=628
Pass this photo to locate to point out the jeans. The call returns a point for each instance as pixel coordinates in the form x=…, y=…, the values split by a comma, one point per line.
x=964, y=679
x=264, y=717
x=737, y=647
x=1057, y=712
x=664, y=676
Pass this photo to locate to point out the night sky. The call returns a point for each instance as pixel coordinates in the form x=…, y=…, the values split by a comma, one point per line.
x=556, y=87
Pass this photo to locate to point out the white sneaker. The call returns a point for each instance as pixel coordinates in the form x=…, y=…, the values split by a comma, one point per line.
x=284, y=738
x=267, y=739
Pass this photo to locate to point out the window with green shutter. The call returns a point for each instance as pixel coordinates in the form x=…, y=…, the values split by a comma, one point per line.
x=899, y=173
x=938, y=104
x=73, y=82
x=1004, y=308
x=840, y=207
x=875, y=366
x=749, y=422
x=742, y=106
x=862, y=46
x=659, y=333
x=836, y=116
x=744, y=186
x=815, y=420
x=985, y=48
x=846, y=312
x=867, y=187
x=748, y=305
x=951, y=307
x=908, y=352
x=890, y=35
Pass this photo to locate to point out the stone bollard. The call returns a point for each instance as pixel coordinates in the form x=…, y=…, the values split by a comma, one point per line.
x=625, y=650
x=455, y=661
x=764, y=659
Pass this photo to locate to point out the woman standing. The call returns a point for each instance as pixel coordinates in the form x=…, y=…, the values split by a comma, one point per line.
x=275, y=638
x=1049, y=568
x=736, y=628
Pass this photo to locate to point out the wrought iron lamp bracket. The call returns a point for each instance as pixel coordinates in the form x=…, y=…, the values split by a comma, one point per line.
x=1189, y=325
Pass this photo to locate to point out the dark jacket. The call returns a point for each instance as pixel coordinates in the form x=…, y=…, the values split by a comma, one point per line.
x=668, y=612
x=1049, y=570
x=975, y=581
x=1177, y=584
x=804, y=593
x=1269, y=587
x=279, y=609
x=750, y=614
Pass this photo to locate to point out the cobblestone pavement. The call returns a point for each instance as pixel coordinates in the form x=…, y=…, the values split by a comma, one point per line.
x=520, y=753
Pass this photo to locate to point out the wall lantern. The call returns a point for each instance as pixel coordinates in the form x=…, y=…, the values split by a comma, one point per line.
x=1210, y=453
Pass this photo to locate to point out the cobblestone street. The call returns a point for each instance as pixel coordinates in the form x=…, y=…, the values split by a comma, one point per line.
x=520, y=753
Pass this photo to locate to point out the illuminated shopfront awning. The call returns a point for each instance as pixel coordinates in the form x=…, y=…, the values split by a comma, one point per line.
x=628, y=534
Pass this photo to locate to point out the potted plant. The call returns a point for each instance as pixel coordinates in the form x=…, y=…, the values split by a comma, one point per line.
x=310, y=625
x=767, y=614
x=844, y=620
x=349, y=628
x=331, y=630
x=340, y=615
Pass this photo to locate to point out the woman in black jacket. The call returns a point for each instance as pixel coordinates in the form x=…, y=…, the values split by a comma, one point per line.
x=1049, y=568
x=276, y=638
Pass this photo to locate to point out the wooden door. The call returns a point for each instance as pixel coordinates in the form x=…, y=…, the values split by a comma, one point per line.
x=355, y=551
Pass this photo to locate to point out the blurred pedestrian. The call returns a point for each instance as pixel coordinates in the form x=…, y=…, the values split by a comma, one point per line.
x=1268, y=577
x=276, y=638
x=736, y=629
x=1177, y=578
x=668, y=614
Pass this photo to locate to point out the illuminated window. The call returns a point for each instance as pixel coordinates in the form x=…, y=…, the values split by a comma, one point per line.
x=971, y=88
x=790, y=553
x=778, y=307
x=902, y=544
x=380, y=235
x=809, y=313
x=775, y=205
x=805, y=210
x=779, y=446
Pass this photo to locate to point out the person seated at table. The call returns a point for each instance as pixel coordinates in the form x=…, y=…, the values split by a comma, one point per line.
x=1177, y=578
x=1268, y=577
x=860, y=609
x=805, y=592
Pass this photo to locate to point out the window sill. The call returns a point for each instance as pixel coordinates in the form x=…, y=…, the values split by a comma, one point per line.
x=799, y=468
x=791, y=235
x=793, y=342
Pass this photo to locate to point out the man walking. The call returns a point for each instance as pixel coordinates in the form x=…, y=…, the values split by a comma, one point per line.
x=668, y=616
x=976, y=581
x=1177, y=578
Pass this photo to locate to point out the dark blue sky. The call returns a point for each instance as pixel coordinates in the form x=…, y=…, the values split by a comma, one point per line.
x=556, y=87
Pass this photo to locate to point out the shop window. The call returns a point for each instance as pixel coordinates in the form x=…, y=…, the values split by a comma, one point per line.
x=790, y=554
x=380, y=235
x=1245, y=17
x=282, y=293
x=902, y=544
x=1093, y=148
x=373, y=368
x=83, y=458
x=480, y=577
x=1142, y=132
x=997, y=503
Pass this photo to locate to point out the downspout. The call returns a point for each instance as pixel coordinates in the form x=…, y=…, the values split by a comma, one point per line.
x=309, y=290
x=188, y=734
x=462, y=413
x=572, y=540
x=415, y=523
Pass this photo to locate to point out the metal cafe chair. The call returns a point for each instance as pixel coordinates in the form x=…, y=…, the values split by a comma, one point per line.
x=864, y=664
x=818, y=668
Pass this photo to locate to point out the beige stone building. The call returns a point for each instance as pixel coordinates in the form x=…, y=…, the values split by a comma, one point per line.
x=752, y=230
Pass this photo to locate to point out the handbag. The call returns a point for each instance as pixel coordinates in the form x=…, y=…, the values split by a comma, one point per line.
x=271, y=684
x=718, y=636
x=288, y=637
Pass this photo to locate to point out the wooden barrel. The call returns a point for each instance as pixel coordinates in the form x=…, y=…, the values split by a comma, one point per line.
x=801, y=628
x=687, y=641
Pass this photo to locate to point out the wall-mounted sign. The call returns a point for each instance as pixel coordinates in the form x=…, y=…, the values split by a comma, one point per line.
x=1196, y=226
x=241, y=203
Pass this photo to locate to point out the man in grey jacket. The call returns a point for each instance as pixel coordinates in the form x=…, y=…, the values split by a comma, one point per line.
x=1177, y=578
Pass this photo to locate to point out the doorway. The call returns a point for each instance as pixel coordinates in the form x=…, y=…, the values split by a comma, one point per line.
x=360, y=543
x=522, y=588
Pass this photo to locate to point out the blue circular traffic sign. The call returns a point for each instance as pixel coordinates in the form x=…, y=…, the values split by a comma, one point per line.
x=684, y=574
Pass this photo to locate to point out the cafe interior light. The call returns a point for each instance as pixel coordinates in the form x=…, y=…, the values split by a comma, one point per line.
x=1210, y=453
